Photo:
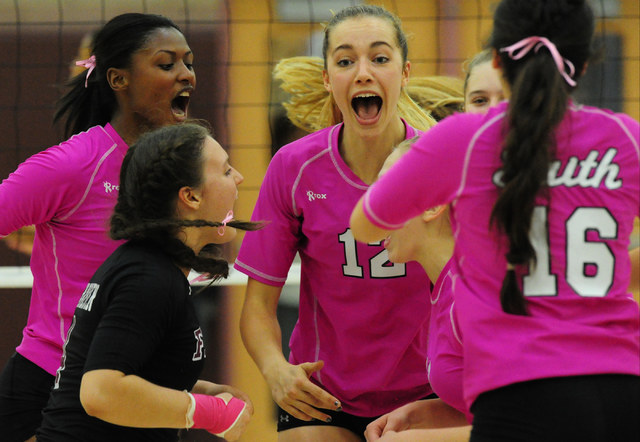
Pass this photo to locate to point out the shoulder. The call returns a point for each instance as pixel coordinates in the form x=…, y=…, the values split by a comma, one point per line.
x=82, y=148
x=308, y=146
x=143, y=262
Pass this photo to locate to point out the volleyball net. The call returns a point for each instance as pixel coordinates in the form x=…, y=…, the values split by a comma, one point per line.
x=236, y=44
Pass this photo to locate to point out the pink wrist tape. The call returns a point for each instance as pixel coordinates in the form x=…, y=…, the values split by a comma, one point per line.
x=213, y=415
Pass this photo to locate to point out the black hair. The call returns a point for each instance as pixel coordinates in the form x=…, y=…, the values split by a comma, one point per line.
x=113, y=46
x=366, y=11
x=538, y=102
x=154, y=169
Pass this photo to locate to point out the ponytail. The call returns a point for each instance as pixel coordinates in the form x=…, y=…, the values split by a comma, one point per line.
x=543, y=48
x=537, y=105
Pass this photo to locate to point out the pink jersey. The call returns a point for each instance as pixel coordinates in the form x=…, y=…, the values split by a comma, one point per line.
x=444, y=354
x=68, y=191
x=582, y=319
x=366, y=318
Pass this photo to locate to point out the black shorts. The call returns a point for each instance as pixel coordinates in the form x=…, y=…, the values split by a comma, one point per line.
x=602, y=408
x=355, y=424
x=24, y=392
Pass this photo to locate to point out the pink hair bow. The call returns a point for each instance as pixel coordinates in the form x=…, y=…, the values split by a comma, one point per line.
x=227, y=218
x=520, y=49
x=90, y=64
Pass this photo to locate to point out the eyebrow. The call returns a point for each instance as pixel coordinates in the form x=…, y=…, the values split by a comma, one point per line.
x=373, y=45
x=173, y=53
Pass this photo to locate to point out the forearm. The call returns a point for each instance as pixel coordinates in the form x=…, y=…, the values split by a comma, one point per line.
x=259, y=326
x=434, y=413
x=453, y=434
x=131, y=401
x=362, y=229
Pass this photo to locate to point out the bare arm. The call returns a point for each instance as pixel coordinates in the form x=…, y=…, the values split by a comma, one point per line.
x=423, y=414
x=452, y=434
x=364, y=230
x=261, y=334
x=132, y=401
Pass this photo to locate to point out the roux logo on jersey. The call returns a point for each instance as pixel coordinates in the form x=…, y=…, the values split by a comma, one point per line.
x=314, y=196
x=89, y=294
x=108, y=187
x=583, y=173
x=200, y=352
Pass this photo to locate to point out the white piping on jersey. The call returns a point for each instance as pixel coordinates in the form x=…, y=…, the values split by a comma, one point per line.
x=613, y=117
x=454, y=279
x=467, y=160
x=367, y=206
x=299, y=177
x=470, y=146
x=53, y=237
x=259, y=273
x=337, y=166
x=93, y=175
x=58, y=281
x=453, y=323
x=316, y=329
x=447, y=275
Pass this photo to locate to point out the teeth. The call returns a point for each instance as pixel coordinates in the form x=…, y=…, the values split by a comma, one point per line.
x=184, y=94
x=365, y=95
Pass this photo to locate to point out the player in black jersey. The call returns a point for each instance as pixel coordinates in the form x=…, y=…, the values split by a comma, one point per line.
x=134, y=350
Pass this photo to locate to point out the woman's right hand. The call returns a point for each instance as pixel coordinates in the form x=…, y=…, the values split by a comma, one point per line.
x=294, y=392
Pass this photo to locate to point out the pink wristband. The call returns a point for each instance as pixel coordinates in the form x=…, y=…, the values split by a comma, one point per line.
x=213, y=415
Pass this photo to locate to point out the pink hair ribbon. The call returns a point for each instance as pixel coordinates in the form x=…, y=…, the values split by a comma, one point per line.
x=520, y=49
x=201, y=277
x=227, y=218
x=90, y=64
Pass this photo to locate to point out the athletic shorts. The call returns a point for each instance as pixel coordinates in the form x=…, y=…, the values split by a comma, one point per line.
x=24, y=392
x=599, y=408
x=356, y=424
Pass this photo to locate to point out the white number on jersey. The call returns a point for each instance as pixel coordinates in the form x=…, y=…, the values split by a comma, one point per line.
x=581, y=254
x=378, y=265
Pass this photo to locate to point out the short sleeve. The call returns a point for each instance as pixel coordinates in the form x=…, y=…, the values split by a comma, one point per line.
x=266, y=254
x=43, y=187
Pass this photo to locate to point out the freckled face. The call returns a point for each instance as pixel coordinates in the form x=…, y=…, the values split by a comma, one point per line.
x=365, y=72
x=161, y=80
x=484, y=89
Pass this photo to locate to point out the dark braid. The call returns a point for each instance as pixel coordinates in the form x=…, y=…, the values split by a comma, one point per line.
x=159, y=164
x=539, y=99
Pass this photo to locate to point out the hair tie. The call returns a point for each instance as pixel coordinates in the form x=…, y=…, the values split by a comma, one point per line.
x=90, y=64
x=518, y=50
x=228, y=218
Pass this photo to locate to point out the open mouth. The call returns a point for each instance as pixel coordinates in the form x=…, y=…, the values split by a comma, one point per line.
x=180, y=104
x=367, y=106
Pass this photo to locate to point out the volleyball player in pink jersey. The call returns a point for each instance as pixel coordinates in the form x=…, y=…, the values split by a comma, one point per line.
x=544, y=195
x=349, y=361
x=428, y=239
x=140, y=76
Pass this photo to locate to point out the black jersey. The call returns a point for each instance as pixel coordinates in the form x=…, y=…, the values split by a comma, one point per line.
x=136, y=316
